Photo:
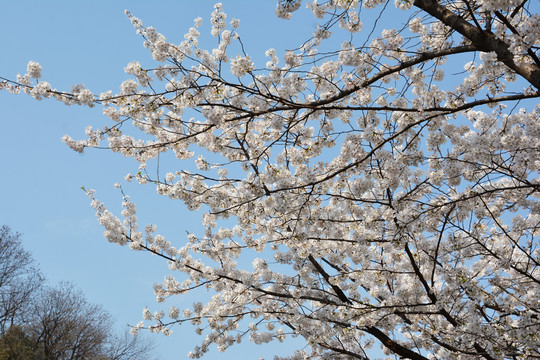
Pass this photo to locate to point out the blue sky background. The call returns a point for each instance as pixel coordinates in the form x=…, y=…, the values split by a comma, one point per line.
x=40, y=178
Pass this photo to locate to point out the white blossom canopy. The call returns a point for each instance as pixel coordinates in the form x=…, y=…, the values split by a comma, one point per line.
x=392, y=205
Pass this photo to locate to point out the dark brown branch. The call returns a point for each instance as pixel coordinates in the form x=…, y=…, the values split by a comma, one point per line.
x=514, y=30
x=340, y=294
x=343, y=351
x=481, y=40
x=393, y=346
x=426, y=286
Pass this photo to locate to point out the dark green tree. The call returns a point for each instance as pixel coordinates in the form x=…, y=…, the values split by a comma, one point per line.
x=15, y=344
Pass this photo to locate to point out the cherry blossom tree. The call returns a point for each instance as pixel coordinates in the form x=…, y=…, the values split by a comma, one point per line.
x=371, y=189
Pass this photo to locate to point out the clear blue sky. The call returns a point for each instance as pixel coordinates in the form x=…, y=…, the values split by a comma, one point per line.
x=90, y=42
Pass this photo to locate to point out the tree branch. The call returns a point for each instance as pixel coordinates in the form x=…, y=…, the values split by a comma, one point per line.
x=394, y=346
x=482, y=40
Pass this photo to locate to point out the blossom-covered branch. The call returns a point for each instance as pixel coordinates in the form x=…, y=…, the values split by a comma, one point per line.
x=391, y=204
